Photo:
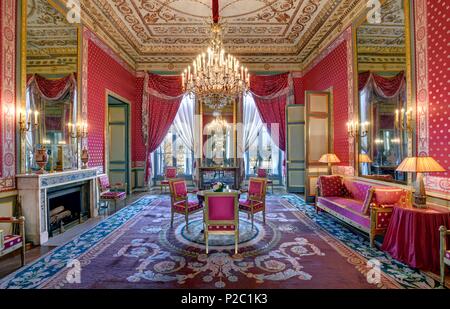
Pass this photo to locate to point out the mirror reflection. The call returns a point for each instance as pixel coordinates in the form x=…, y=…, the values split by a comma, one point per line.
x=384, y=119
x=218, y=135
x=49, y=117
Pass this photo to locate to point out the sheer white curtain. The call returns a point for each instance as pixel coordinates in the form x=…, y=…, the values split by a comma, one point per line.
x=184, y=122
x=252, y=122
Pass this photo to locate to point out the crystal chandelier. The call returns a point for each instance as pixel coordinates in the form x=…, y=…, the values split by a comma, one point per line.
x=214, y=77
x=217, y=125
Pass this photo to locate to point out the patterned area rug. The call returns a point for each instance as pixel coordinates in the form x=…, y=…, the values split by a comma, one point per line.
x=296, y=248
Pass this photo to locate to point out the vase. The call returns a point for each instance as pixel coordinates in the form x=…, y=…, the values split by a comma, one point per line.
x=41, y=158
x=84, y=158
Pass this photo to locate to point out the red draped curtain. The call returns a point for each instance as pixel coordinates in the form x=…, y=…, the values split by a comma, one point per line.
x=44, y=91
x=161, y=99
x=52, y=89
x=386, y=87
x=271, y=94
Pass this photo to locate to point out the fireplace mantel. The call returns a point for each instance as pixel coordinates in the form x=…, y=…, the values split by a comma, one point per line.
x=32, y=190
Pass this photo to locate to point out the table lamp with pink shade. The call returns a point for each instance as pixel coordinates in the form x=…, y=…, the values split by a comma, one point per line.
x=329, y=158
x=420, y=165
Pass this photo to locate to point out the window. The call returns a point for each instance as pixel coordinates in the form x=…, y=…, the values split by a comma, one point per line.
x=172, y=152
x=262, y=152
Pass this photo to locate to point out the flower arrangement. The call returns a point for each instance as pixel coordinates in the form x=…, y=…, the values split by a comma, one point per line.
x=218, y=187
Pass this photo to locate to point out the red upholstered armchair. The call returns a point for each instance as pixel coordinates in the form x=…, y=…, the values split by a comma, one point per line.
x=445, y=252
x=10, y=243
x=108, y=193
x=169, y=173
x=263, y=173
x=180, y=203
x=256, y=198
x=221, y=216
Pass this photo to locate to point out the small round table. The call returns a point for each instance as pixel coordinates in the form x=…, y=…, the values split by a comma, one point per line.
x=413, y=237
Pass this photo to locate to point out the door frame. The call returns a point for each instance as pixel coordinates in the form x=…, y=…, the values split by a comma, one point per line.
x=288, y=160
x=109, y=93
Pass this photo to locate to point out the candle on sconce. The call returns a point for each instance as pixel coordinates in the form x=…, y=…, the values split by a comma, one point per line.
x=28, y=116
x=36, y=114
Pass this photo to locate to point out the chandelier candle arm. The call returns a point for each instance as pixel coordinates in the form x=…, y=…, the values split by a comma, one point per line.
x=216, y=77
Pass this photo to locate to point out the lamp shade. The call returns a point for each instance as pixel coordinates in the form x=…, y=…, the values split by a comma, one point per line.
x=329, y=158
x=364, y=158
x=420, y=165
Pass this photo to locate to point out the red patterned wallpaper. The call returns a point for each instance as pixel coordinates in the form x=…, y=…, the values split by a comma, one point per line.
x=438, y=83
x=104, y=73
x=1, y=79
x=331, y=71
x=138, y=151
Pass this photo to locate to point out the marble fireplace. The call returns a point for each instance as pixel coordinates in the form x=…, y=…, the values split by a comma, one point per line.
x=71, y=194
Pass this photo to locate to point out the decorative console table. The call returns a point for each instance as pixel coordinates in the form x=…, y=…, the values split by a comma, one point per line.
x=34, y=191
x=226, y=175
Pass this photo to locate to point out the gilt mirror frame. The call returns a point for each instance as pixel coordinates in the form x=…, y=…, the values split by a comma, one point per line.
x=22, y=83
x=410, y=83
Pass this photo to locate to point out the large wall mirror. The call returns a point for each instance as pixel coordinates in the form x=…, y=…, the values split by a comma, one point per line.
x=385, y=120
x=49, y=126
x=219, y=140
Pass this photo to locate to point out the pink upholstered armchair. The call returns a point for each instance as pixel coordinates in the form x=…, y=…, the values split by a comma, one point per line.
x=444, y=252
x=256, y=198
x=221, y=216
x=169, y=173
x=109, y=193
x=10, y=243
x=180, y=203
x=263, y=173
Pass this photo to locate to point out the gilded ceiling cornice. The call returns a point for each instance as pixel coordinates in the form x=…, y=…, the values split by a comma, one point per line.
x=294, y=58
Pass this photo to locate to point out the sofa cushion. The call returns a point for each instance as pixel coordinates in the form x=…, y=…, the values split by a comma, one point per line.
x=348, y=208
x=447, y=254
x=389, y=196
x=358, y=190
x=330, y=185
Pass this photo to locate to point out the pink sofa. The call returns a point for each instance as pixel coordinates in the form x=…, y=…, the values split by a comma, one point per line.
x=364, y=205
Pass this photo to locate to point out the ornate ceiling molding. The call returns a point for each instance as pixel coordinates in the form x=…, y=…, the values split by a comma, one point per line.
x=276, y=33
x=51, y=41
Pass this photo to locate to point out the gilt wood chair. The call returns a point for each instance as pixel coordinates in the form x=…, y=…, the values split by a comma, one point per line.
x=444, y=252
x=10, y=243
x=169, y=173
x=263, y=173
x=180, y=203
x=108, y=193
x=256, y=198
x=221, y=216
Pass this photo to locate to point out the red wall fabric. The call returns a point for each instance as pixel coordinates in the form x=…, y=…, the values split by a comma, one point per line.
x=138, y=150
x=1, y=81
x=105, y=73
x=331, y=71
x=439, y=83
